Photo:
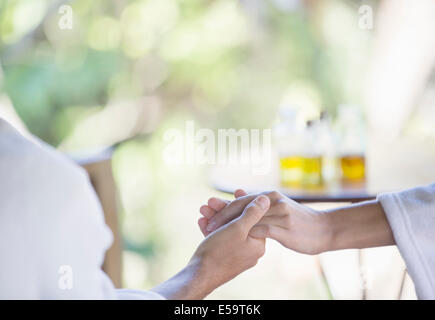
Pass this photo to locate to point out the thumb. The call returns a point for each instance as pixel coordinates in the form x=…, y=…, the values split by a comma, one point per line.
x=253, y=212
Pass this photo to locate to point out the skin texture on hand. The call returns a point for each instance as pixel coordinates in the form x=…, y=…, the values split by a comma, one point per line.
x=213, y=206
x=295, y=226
x=221, y=256
x=303, y=229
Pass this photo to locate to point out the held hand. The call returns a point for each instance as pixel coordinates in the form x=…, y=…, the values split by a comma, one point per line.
x=295, y=226
x=230, y=249
x=213, y=206
x=220, y=257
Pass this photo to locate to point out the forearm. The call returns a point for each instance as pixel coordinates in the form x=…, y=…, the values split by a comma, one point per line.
x=361, y=225
x=191, y=283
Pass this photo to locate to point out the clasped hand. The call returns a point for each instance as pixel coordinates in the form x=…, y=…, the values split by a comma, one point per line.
x=235, y=233
x=295, y=226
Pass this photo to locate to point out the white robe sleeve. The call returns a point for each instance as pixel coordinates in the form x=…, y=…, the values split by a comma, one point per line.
x=411, y=215
x=53, y=237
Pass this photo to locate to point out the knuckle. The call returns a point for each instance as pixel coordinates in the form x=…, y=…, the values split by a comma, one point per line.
x=254, y=211
x=274, y=194
x=282, y=206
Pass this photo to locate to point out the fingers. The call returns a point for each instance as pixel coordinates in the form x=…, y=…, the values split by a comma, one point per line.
x=240, y=193
x=275, y=220
x=253, y=212
x=213, y=206
x=230, y=212
x=202, y=223
x=217, y=204
x=207, y=212
x=268, y=231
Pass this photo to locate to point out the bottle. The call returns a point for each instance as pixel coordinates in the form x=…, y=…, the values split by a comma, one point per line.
x=288, y=139
x=352, y=144
x=328, y=145
x=312, y=158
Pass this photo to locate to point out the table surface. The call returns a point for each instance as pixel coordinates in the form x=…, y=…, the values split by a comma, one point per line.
x=229, y=178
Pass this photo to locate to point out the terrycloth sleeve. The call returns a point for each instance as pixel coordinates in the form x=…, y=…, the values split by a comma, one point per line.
x=411, y=215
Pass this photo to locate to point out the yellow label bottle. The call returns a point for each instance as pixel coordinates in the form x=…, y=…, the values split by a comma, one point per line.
x=312, y=172
x=291, y=171
x=353, y=167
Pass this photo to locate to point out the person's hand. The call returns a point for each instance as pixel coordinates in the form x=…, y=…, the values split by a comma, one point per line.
x=215, y=205
x=295, y=226
x=230, y=249
x=221, y=256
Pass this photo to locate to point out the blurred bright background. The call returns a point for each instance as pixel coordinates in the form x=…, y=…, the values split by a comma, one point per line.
x=128, y=70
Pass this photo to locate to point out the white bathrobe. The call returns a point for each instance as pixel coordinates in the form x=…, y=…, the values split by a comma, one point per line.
x=52, y=232
x=411, y=215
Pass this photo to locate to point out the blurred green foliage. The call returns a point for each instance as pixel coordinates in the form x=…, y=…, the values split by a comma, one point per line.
x=217, y=59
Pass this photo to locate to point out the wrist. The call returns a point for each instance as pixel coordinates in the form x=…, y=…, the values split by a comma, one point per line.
x=338, y=227
x=191, y=283
x=357, y=226
x=203, y=280
x=328, y=231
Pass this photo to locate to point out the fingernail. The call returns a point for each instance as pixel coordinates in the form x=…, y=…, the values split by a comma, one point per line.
x=211, y=226
x=261, y=201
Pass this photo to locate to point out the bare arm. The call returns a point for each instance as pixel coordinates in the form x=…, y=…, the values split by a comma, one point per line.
x=361, y=225
x=191, y=283
x=305, y=230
